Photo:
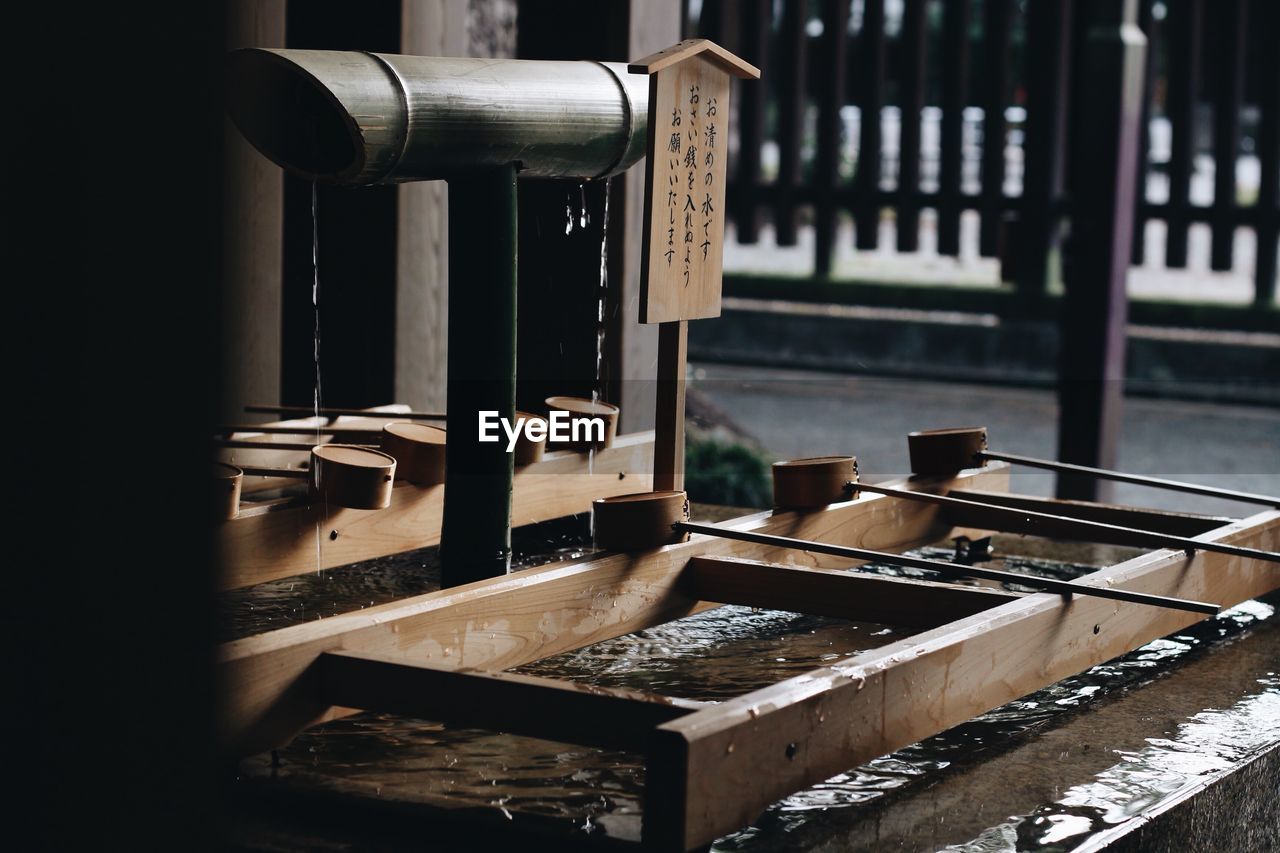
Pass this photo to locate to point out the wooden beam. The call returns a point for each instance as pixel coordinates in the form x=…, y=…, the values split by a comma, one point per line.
x=836, y=593
x=782, y=738
x=668, y=445
x=534, y=613
x=277, y=539
x=565, y=711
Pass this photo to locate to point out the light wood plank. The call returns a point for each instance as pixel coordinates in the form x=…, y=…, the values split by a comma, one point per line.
x=278, y=539
x=532, y=614
x=790, y=735
x=835, y=593
x=527, y=705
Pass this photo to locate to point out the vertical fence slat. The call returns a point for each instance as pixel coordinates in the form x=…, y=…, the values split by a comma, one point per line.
x=1226, y=128
x=1268, y=220
x=996, y=28
x=755, y=26
x=955, y=79
x=1185, y=25
x=791, y=107
x=912, y=50
x=1146, y=22
x=826, y=177
x=1049, y=52
x=871, y=102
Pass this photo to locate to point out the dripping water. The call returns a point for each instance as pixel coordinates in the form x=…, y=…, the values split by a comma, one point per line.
x=600, y=300
x=315, y=397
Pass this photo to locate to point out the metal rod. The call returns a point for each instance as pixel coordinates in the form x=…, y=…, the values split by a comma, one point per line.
x=255, y=471
x=950, y=569
x=1102, y=532
x=1137, y=479
x=475, y=535
x=331, y=412
x=245, y=444
x=274, y=429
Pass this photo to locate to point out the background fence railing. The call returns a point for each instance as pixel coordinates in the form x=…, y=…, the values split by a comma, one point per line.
x=972, y=101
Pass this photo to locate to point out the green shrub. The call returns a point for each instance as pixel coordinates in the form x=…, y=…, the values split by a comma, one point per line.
x=727, y=473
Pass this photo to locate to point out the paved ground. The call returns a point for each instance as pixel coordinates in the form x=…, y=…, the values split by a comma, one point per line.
x=795, y=413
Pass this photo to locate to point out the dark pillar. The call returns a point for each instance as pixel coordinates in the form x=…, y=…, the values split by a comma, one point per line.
x=1038, y=224
x=1095, y=308
x=475, y=537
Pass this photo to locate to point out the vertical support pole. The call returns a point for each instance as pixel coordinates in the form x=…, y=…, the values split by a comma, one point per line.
x=475, y=538
x=871, y=50
x=792, y=100
x=955, y=95
x=1186, y=24
x=826, y=167
x=1231, y=49
x=1267, y=224
x=997, y=24
x=1095, y=307
x=668, y=442
x=1049, y=52
x=911, y=71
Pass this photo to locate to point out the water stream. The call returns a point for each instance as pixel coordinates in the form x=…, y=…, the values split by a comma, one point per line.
x=315, y=397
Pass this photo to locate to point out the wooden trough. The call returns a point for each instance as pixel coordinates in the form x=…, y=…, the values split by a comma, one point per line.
x=276, y=538
x=712, y=769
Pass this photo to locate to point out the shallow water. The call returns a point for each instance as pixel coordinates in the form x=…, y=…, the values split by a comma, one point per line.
x=717, y=655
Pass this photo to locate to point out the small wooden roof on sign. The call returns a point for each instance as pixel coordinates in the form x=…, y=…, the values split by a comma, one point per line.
x=690, y=48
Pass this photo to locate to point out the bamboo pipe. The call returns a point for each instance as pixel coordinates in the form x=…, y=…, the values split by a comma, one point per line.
x=949, y=569
x=945, y=451
x=351, y=118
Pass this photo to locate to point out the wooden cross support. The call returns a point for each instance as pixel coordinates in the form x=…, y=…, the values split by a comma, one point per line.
x=680, y=266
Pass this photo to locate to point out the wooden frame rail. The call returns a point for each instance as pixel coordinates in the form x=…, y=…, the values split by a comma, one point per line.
x=440, y=656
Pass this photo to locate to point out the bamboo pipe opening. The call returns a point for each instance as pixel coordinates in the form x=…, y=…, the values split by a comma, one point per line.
x=291, y=117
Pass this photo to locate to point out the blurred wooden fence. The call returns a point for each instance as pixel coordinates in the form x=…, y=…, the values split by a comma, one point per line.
x=1211, y=77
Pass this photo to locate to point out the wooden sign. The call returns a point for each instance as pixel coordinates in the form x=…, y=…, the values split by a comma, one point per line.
x=680, y=270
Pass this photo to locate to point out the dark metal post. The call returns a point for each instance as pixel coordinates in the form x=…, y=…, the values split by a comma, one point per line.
x=475, y=539
x=1095, y=307
x=1049, y=49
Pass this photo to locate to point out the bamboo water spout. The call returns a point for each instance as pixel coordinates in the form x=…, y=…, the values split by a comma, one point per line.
x=346, y=117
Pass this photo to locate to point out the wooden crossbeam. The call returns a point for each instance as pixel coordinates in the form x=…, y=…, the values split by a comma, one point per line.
x=835, y=593
x=278, y=539
x=528, y=615
x=547, y=708
x=785, y=737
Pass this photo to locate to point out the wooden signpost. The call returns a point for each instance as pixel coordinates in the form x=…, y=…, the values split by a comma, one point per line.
x=680, y=267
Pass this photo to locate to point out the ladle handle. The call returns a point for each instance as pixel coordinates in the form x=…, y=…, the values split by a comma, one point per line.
x=1114, y=533
x=1136, y=479
x=330, y=412
x=257, y=471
